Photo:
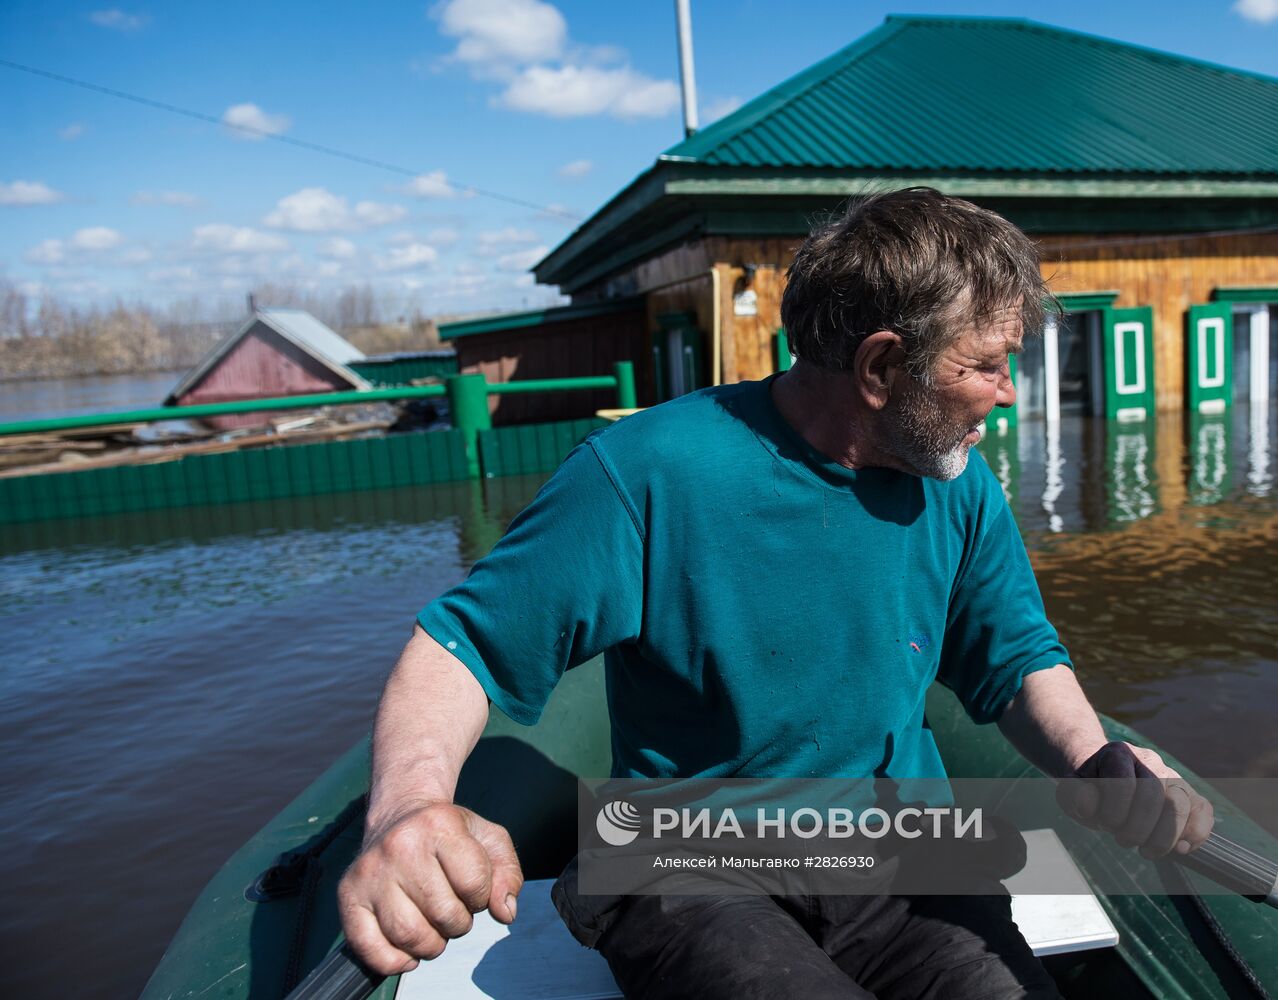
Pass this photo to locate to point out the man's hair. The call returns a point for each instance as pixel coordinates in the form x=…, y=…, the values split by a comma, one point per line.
x=917, y=262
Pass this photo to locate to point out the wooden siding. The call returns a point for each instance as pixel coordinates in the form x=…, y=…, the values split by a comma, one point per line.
x=262, y=365
x=1169, y=272
x=586, y=346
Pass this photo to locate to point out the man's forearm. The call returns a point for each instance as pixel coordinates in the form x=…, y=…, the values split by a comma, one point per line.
x=1051, y=722
x=429, y=720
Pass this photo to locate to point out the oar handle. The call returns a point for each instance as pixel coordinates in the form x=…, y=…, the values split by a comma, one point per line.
x=341, y=976
x=1234, y=867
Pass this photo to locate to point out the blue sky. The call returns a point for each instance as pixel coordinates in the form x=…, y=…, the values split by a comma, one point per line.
x=558, y=105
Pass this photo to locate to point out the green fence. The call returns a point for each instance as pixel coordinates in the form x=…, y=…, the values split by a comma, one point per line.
x=284, y=471
x=516, y=451
x=473, y=448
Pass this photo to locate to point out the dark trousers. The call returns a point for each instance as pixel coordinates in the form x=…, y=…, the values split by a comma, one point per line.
x=745, y=947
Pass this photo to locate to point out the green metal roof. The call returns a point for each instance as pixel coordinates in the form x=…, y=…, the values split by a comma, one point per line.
x=964, y=93
x=535, y=317
x=1057, y=130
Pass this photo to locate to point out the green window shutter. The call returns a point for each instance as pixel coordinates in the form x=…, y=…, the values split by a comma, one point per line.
x=1209, y=353
x=1129, y=363
x=783, y=350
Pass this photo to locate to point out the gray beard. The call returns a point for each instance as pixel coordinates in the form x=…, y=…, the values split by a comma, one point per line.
x=919, y=434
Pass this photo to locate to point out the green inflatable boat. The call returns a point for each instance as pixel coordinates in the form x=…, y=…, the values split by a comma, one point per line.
x=269, y=917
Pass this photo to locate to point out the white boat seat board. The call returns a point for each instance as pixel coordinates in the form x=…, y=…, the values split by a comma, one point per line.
x=537, y=959
x=1055, y=924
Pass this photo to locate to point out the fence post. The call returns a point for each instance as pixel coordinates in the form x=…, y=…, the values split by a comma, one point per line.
x=626, y=398
x=468, y=405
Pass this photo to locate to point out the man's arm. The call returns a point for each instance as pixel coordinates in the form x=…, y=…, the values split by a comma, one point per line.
x=1138, y=798
x=426, y=865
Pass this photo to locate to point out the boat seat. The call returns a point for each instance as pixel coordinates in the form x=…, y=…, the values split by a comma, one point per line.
x=538, y=958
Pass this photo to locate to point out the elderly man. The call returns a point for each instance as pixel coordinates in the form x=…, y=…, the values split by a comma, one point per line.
x=775, y=572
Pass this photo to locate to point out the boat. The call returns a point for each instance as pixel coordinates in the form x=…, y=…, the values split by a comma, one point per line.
x=269, y=917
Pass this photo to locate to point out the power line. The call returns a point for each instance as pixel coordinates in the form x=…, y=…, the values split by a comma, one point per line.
x=314, y=147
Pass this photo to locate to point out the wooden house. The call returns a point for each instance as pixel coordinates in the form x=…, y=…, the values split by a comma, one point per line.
x=276, y=352
x=1150, y=180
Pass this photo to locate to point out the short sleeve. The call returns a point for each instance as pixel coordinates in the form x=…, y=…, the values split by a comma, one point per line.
x=562, y=585
x=996, y=628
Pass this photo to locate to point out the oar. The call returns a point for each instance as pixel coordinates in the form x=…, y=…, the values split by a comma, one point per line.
x=1234, y=867
x=342, y=976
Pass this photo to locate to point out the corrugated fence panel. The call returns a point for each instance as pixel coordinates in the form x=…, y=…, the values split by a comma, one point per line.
x=528, y=449
x=237, y=476
x=405, y=370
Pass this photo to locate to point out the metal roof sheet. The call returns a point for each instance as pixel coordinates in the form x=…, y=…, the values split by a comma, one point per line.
x=305, y=330
x=998, y=94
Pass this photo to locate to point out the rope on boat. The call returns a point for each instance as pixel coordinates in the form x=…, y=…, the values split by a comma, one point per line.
x=1176, y=875
x=302, y=868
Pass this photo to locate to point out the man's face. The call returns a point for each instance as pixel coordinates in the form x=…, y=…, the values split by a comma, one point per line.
x=932, y=427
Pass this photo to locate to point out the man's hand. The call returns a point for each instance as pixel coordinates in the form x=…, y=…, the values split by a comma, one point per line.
x=1130, y=792
x=418, y=880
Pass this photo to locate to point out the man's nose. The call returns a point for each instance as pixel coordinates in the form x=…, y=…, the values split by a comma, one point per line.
x=1006, y=389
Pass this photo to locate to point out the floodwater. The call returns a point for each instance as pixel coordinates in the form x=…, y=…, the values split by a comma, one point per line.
x=170, y=680
x=31, y=399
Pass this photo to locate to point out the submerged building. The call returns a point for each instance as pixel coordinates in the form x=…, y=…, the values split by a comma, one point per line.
x=1149, y=179
x=275, y=352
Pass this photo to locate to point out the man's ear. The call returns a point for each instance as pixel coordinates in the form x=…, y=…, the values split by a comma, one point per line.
x=878, y=363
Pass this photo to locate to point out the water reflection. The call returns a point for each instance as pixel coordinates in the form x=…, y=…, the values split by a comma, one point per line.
x=1154, y=546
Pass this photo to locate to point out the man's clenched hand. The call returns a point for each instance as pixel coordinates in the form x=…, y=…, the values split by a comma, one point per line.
x=418, y=881
x=1131, y=793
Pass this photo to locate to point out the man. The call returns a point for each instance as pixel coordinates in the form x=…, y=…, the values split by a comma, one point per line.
x=775, y=571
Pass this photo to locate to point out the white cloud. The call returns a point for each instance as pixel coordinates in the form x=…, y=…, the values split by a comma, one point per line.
x=90, y=241
x=68, y=133
x=414, y=255
x=444, y=236
x=337, y=248
x=28, y=193
x=375, y=213
x=119, y=20
x=577, y=91
x=492, y=34
x=46, y=252
x=179, y=199
x=524, y=44
x=715, y=110
x=576, y=168
x=521, y=260
x=318, y=210
x=1262, y=11
x=96, y=238
x=248, y=121
x=432, y=185
x=224, y=238
x=510, y=236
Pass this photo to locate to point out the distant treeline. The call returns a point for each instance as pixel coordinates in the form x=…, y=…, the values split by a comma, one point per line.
x=49, y=338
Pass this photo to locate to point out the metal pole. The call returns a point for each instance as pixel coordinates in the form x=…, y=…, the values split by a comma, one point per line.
x=687, y=76
x=626, y=398
x=468, y=405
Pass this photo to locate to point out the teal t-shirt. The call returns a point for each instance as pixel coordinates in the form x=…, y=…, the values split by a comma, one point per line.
x=763, y=611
